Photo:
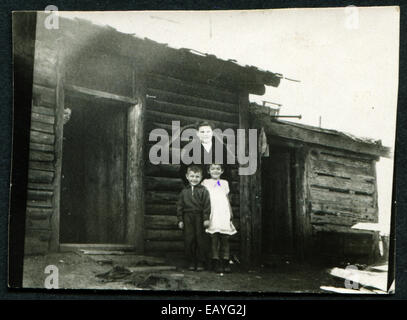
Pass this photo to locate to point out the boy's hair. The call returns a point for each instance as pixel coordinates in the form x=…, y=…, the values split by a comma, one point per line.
x=194, y=168
x=205, y=124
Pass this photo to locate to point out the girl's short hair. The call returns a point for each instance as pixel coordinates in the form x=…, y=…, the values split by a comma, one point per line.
x=205, y=124
x=217, y=164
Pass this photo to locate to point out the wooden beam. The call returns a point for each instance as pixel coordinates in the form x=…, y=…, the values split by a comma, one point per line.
x=59, y=135
x=99, y=94
x=135, y=164
x=245, y=210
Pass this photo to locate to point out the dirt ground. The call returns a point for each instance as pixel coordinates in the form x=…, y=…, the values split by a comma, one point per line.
x=77, y=270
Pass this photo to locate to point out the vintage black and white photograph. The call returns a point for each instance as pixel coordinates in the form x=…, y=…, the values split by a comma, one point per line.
x=224, y=151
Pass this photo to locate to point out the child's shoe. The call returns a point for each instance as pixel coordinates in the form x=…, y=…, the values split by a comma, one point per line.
x=226, y=266
x=200, y=267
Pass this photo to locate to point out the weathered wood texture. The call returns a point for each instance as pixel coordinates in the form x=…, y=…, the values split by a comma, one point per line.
x=342, y=188
x=171, y=98
x=42, y=161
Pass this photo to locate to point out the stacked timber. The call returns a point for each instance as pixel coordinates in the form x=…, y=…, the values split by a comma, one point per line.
x=170, y=97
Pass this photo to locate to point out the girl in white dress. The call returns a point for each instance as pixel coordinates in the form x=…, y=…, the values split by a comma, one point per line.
x=220, y=221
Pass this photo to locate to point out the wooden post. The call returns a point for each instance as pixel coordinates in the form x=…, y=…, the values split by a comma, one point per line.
x=245, y=210
x=59, y=134
x=303, y=203
x=135, y=164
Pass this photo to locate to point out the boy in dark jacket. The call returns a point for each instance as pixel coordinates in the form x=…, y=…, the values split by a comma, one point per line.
x=193, y=210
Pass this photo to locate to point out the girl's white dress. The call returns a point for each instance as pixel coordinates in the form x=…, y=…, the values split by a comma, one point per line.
x=221, y=210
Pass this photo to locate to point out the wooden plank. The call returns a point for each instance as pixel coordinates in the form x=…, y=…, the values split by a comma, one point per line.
x=339, y=208
x=42, y=127
x=41, y=147
x=43, y=224
x=73, y=89
x=334, y=220
x=164, y=235
x=44, y=96
x=331, y=228
x=44, y=166
x=152, y=269
x=40, y=156
x=375, y=193
x=42, y=138
x=193, y=101
x=39, y=213
x=346, y=199
x=136, y=163
x=161, y=197
x=40, y=176
x=335, y=183
x=43, y=110
x=42, y=118
x=191, y=111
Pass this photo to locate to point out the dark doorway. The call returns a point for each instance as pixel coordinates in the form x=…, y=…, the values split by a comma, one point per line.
x=93, y=184
x=278, y=189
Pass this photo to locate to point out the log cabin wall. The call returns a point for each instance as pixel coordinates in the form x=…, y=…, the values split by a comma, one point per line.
x=172, y=96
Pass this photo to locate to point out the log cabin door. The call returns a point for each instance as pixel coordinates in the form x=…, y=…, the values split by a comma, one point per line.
x=93, y=182
x=278, y=189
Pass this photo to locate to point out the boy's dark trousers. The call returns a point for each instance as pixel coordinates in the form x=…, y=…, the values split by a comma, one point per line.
x=220, y=246
x=194, y=235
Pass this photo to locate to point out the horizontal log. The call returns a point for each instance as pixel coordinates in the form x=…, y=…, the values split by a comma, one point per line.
x=162, y=197
x=42, y=118
x=192, y=101
x=42, y=235
x=336, y=220
x=41, y=147
x=39, y=213
x=77, y=90
x=164, y=235
x=162, y=170
x=39, y=194
x=343, y=198
x=343, y=160
x=40, y=176
x=165, y=184
x=161, y=222
x=38, y=224
x=333, y=169
x=335, y=183
x=40, y=156
x=44, y=96
x=167, y=118
x=161, y=209
x=42, y=138
x=43, y=110
x=340, y=208
x=163, y=246
x=331, y=228
x=356, y=156
x=40, y=186
x=199, y=90
x=42, y=127
x=191, y=111
x=40, y=203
